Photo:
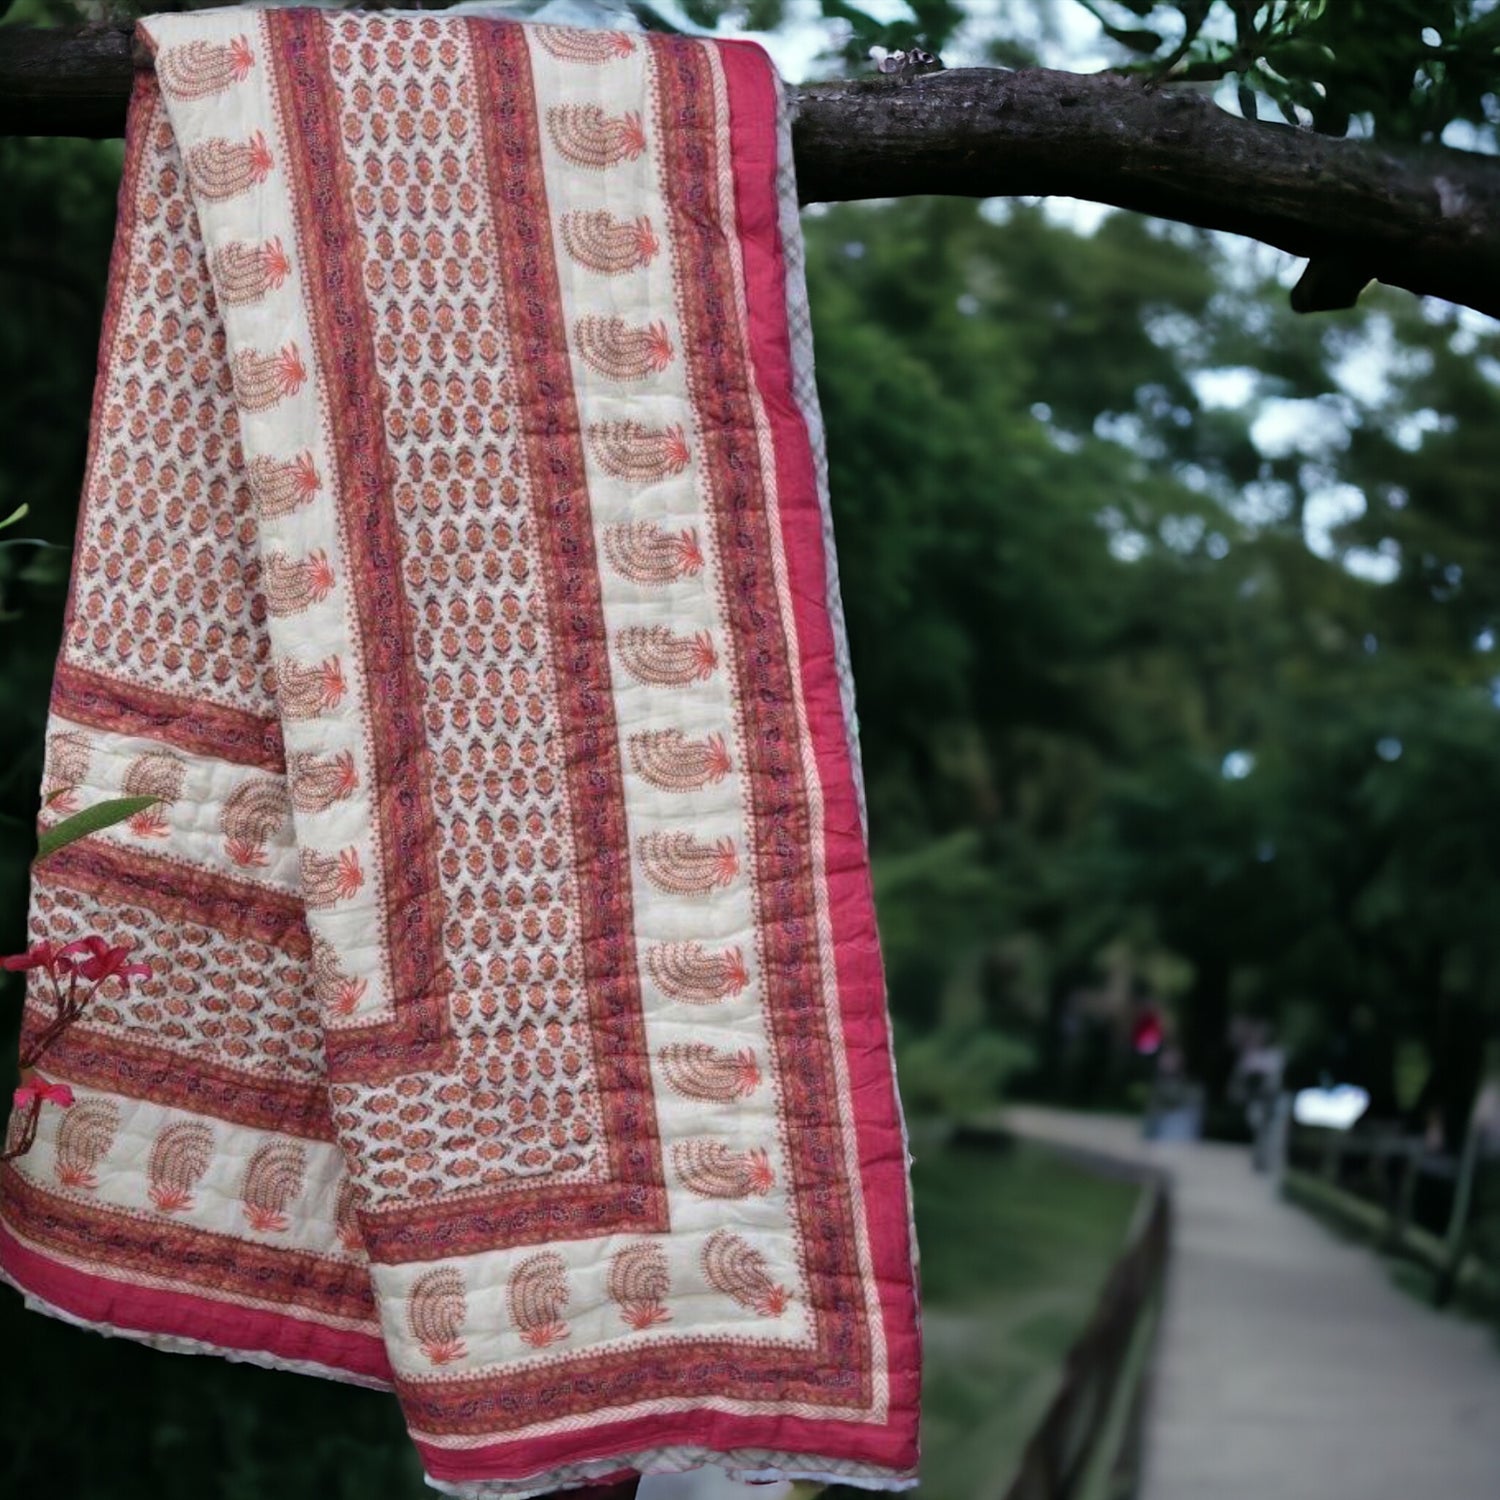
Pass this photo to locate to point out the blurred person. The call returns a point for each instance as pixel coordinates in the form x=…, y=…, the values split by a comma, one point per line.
x=1174, y=1111
x=1256, y=1084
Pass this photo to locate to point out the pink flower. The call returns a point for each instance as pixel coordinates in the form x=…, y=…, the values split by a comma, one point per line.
x=40, y=1090
x=55, y=958
x=106, y=962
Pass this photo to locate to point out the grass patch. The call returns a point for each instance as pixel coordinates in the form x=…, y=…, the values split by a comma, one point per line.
x=1016, y=1245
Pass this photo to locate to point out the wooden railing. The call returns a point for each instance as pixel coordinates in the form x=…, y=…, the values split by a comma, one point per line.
x=1087, y=1446
x=1088, y=1443
x=1369, y=1182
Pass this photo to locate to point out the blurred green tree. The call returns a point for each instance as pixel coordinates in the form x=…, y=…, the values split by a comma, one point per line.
x=1188, y=666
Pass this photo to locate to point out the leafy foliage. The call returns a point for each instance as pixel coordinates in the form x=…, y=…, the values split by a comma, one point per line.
x=1406, y=69
x=1087, y=597
x=1399, y=69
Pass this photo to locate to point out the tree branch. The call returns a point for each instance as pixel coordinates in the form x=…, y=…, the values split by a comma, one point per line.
x=1425, y=220
x=66, y=80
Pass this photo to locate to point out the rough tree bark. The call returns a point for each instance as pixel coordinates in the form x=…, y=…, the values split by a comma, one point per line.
x=1428, y=221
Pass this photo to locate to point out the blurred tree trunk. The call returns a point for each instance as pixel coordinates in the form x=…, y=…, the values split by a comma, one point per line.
x=1458, y=1035
x=1205, y=1027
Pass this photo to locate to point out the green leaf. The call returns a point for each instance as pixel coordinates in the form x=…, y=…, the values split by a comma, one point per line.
x=1137, y=41
x=1299, y=56
x=93, y=819
x=18, y=514
x=48, y=565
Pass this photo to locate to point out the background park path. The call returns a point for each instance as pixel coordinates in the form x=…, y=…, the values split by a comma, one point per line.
x=1289, y=1367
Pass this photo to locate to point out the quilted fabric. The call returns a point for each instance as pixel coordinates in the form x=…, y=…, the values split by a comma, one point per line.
x=455, y=570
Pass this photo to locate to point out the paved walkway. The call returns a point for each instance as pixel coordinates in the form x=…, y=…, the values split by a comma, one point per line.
x=1289, y=1367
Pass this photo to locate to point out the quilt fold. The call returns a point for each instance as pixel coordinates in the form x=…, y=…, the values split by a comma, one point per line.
x=455, y=571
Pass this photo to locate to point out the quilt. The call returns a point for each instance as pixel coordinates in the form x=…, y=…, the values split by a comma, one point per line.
x=487, y=1005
